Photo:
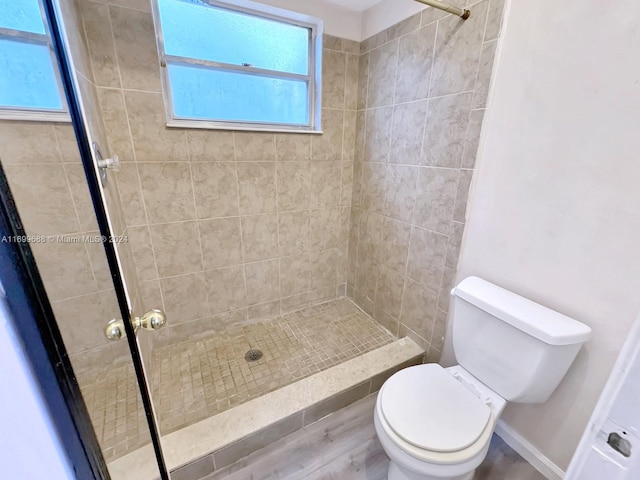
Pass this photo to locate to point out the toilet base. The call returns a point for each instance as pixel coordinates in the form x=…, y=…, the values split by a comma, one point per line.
x=398, y=473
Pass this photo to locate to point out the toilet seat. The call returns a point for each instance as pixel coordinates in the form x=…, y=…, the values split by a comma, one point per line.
x=473, y=454
x=428, y=408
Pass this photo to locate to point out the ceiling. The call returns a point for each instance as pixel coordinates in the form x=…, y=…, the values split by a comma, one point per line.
x=357, y=5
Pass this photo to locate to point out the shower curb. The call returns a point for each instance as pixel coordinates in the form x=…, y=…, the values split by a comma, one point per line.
x=216, y=442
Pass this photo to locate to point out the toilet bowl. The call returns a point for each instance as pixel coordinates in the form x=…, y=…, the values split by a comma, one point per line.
x=436, y=423
x=446, y=439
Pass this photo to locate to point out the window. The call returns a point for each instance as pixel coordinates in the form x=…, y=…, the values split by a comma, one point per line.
x=240, y=65
x=30, y=86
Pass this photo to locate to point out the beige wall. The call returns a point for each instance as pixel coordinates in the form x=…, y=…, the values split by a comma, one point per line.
x=224, y=226
x=554, y=210
x=422, y=97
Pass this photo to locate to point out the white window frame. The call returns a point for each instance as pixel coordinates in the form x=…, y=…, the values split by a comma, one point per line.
x=313, y=77
x=35, y=113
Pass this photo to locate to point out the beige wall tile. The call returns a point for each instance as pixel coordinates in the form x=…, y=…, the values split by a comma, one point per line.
x=419, y=305
x=293, y=147
x=394, y=245
x=370, y=234
x=176, y=247
x=481, y=91
x=324, y=229
x=455, y=241
x=462, y=195
x=323, y=266
x=226, y=289
x=221, y=242
x=331, y=42
x=445, y=132
x=363, y=81
x=351, y=82
x=168, y=191
x=415, y=59
x=43, y=199
x=152, y=140
x=67, y=143
x=135, y=41
x=215, y=187
x=257, y=187
x=448, y=280
x=472, y=139
x=116, y=123
x=255, y=147
x=99, y=38
x=294, y=275
x=378, y=134
x=382, y=73
x=80, y=195
x=264, y=310
x=427, y=253
x=333, y=78
x=494, y=20
x=400, y=195
x=404, y=26
x=349, y=136
x=210, y=146
x=131, y=194
x=293, y=232
x=325, y=184
x=407, y=129
x=260, y=237
x=373, y=186
x=28, y=143
x=82, y=319
x=293, y=185
x=65, y=268
x=389, y=291
x=328, y=146
x=458, y=52
x=99, y=264
x=185, y=297
x=435, y=199
x=142, y=251
x=263, y=281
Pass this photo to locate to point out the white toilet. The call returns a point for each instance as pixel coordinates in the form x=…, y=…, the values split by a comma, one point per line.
x=436, y=423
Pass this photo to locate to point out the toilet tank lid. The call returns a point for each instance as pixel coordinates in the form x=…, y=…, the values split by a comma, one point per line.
x=532, y=318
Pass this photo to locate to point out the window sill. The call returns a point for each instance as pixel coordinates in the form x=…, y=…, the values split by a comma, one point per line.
x=186, y=124
x=26, y=116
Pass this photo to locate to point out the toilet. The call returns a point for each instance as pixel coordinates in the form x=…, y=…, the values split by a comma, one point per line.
x=436, y=423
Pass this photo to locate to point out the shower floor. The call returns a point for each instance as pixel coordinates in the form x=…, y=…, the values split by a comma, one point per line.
x=199, y=378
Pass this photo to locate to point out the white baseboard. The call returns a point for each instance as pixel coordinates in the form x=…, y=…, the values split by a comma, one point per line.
x=529, y=452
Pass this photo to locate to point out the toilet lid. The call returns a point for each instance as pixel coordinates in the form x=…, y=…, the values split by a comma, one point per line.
x=430, y=409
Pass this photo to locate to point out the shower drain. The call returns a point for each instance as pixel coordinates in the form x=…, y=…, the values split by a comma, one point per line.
x=253, y=355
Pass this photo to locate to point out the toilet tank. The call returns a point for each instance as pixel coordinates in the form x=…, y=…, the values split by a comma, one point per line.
x=518, y=348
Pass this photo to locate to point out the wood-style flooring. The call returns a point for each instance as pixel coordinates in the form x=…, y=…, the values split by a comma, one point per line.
x=343, y=446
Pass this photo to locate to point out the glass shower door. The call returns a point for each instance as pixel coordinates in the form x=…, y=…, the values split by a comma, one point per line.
x=134, y=456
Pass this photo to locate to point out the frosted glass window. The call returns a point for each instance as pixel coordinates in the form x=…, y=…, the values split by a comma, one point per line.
x=27, y=78
x=30, y=87
x=230, y=96
x=22, y=15
x=236, y=38
x=239, y=65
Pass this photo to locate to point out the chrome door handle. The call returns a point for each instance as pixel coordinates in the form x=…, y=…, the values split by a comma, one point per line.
x=152, y=320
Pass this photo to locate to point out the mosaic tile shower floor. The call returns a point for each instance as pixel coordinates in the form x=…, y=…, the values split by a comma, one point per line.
x=204, y=376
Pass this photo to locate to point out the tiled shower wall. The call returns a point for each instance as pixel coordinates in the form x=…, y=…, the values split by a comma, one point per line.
x=422, y=96
x=224, y=226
